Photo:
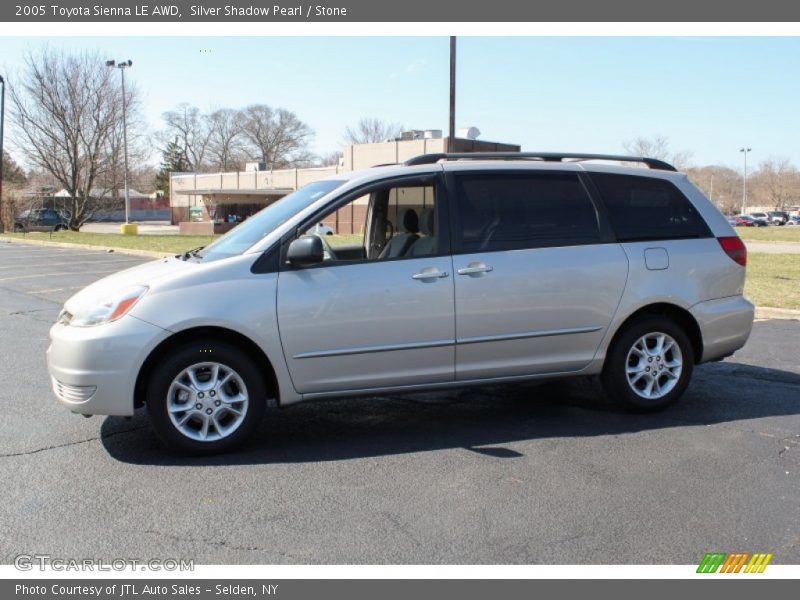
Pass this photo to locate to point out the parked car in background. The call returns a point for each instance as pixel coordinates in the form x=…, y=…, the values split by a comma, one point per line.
x=743, y=221
x=793, y=220
x=778, y=217
x=39, y=219
x=761, y=219
x=471, y=269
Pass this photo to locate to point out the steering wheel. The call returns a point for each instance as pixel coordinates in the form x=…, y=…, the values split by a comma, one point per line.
x=327, y=250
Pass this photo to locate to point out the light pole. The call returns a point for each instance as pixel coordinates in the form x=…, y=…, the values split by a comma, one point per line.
x=711, y=191
x=125, y=64
x=744, y=151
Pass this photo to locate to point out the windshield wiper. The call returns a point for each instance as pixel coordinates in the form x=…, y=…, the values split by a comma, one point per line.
x=190, y=253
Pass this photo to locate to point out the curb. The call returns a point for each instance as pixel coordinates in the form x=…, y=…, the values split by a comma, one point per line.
x=767, y=312
x=106, y=249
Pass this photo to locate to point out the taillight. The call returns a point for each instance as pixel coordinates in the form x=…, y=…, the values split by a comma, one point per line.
x=735, y=248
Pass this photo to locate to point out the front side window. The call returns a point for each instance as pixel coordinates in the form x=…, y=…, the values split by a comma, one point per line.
x=390, y=221
x=513, y=211
x=646, y=208
x=244, y=236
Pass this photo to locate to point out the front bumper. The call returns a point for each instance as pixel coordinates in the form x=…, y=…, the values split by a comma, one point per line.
x=93, y=370
x=725, y=324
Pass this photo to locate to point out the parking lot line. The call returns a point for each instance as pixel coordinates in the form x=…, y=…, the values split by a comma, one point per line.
x=58, y=274
x=7, y=256
x=63, y=264
x=55, y=290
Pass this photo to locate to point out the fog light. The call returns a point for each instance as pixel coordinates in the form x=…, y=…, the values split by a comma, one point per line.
x=75, y=394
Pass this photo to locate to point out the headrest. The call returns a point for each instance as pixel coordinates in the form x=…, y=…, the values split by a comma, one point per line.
x=426, y=223
x=409, y=221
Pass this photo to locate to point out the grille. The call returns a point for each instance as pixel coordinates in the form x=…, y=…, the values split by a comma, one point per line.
x=76, y=394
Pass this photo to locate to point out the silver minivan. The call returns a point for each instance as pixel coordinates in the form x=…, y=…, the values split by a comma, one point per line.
x=448, y=270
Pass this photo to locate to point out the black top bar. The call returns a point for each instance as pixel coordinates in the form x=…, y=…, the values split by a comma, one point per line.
x=427, y=159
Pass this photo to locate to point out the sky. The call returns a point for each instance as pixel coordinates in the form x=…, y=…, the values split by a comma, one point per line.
x=707, y=95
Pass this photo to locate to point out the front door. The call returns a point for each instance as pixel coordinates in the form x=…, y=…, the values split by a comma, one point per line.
x=378, y=311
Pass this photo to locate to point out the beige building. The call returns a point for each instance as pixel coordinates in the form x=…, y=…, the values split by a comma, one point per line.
x=206, y=202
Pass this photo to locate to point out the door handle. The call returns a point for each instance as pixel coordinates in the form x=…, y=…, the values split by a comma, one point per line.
x=432, y=274
x=474, y=268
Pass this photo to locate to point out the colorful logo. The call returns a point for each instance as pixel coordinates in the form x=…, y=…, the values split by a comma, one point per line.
x=734, y=562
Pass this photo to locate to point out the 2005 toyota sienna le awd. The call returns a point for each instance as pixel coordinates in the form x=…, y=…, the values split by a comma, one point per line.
x=447, y=270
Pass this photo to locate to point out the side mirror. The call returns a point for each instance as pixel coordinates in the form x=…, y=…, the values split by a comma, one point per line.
x=305, y=251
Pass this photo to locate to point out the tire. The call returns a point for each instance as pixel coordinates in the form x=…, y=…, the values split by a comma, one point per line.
x=635, y=349
x=223, y=392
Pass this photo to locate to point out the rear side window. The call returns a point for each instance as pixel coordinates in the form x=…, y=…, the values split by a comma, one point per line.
x=513, y=211
x=644, y=208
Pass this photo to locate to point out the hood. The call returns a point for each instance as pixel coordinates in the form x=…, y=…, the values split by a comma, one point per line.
x=146, y=274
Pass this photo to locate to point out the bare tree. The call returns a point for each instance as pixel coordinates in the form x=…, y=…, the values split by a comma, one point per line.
x=191, y=128
x=65, y=108
x=225, y=139
x=658, y=147
x=722, y=185
x=111, y=184
x=277, y=136
x=370, y=130
x=776, y=182
x=330, y=159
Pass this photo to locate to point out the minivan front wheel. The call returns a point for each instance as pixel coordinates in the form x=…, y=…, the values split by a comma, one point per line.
x=649, y=364
x=206, y=398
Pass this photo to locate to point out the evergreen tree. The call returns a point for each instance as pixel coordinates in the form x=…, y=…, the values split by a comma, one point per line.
x=173, y=161
x=12, y=173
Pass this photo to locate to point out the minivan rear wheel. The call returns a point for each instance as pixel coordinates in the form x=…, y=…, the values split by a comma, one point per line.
x=205, y=398
x=649, y=364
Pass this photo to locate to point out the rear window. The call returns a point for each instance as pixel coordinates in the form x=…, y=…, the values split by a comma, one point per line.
x=644, y=208
x=514, y=211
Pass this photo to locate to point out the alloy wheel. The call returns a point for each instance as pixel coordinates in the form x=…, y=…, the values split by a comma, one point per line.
x=653, y=366
x=207, y=401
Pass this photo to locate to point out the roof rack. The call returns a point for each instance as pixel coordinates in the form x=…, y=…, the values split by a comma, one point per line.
x=427, y=159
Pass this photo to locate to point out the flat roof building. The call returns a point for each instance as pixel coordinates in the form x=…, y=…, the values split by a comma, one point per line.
x=214, y=202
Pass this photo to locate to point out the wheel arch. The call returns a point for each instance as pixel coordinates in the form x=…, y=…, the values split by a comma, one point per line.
x=671, y=311
x=204, y=333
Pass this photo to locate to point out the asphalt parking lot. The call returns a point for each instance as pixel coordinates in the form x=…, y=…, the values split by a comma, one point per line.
x=516, y=474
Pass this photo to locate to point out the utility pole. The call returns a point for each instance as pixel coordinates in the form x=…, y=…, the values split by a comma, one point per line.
x=2, y=131
x=452, y=129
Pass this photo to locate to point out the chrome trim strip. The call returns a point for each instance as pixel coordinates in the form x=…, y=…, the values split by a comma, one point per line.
x=371, y=349
x=442, y=343
x=527, y=334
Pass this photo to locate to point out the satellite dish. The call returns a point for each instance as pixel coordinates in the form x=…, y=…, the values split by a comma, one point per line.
x=470, y=133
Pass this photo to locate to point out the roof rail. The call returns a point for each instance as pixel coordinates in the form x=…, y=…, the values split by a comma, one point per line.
x=427, y=159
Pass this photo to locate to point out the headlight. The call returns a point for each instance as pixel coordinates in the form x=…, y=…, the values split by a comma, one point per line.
x=107, y=310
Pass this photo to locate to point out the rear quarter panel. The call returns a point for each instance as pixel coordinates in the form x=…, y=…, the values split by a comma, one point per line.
x=698, y=271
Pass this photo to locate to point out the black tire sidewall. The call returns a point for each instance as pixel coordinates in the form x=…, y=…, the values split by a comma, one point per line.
x=614, y=378
x=193, y=353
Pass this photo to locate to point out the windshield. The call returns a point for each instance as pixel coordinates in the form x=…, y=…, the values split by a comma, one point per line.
x=243, y=236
